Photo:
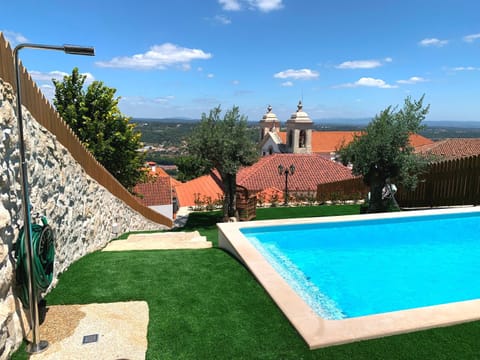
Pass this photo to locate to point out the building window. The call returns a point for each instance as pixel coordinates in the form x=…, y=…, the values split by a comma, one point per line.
x=290, y=138
x=302, y=139
x=270, y=150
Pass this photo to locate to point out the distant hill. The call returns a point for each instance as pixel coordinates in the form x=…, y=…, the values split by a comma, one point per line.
x=165, y=120
x=343, y=122
x=453, y=124
x=364, y=121
x=332, y=122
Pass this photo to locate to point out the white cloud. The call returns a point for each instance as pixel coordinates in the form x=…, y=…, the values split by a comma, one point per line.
x=301, y=74
x=369, y=82
x=41, y=76
x=471, y=38
x=222, y=19
x=230, y=5
x=433, y=42
x=210, y=76
x=359, y=64
x=13, y=37
x=262, y=5
x=266, y=5
x=412, y=80
x=236, y=82
x=158, y=57
x=287, y=84
x=163, y=99
x=465, y=68
x=57, y=75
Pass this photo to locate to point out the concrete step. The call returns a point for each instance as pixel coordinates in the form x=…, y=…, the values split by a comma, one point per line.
x=160, y=241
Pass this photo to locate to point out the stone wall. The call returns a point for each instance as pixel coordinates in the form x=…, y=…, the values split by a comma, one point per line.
x=80, y=211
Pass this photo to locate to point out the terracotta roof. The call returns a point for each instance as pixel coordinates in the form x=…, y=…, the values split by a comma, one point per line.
x=452, y=148
x=158, y=171
x=204, y=186
x=158, y=192
x=331, y=141
x=310, y=170
x=419, y=140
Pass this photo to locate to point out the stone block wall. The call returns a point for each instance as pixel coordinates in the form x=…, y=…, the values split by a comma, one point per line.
x=80, y=211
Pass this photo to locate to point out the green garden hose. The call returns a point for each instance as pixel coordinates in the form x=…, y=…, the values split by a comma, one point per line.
x=43, y=248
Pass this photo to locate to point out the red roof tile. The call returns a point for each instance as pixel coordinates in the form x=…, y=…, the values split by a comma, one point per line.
x=331, y=141
x=310, y=170
x=419, y=140
x=204, y=186
x=158, y=171
x=158, y=192
x=452, y=148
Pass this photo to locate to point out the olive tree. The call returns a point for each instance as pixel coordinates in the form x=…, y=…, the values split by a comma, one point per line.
x=223, y=144
x=382, y=152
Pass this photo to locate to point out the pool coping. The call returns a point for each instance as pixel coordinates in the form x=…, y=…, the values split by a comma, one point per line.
x=318, y=332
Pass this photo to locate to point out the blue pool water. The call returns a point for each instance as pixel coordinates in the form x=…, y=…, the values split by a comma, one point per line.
x=356, y=268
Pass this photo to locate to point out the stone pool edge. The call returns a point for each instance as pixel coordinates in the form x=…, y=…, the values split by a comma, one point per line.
x=318, y=332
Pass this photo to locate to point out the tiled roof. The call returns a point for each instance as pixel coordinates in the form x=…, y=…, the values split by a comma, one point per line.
x=331, y=141
x=204, y=186
x=158, y=192
x=419, y=140
x=310, y=170
x=158, y=171
x=452, y=148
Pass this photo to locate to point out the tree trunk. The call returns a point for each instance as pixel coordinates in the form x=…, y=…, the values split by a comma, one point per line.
x=376, y=203
x=229, y=203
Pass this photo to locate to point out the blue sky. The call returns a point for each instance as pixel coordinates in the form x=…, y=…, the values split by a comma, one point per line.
x=345, y=58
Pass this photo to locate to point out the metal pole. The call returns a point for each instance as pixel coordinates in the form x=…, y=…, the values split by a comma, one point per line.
x=37, y=345
x=286, y=188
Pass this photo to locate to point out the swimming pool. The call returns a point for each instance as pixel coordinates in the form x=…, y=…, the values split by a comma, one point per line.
x=351, y=269
x=341, y=279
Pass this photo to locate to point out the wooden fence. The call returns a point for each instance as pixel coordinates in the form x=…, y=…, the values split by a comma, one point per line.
x=47, y=116
x=448, y=183
x=351, y=189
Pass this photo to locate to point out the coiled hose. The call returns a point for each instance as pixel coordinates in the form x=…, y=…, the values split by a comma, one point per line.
x=43, y=248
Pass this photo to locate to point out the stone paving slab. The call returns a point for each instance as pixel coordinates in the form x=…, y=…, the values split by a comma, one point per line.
x=121, y=328
x=160, y=241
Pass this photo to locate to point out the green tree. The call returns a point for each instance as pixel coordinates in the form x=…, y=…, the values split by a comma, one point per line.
x=223, y=144
x=190, y=167
x=94, y=116
x=382, y=152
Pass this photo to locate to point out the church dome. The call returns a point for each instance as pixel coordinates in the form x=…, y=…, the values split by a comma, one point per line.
x=300, y=116
x=269, y=116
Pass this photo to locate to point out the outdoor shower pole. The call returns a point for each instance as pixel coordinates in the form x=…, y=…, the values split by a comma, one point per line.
x=36, y=345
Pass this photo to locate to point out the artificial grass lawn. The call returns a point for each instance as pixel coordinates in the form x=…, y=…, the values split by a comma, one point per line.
x=204, y=305
x=205, y=222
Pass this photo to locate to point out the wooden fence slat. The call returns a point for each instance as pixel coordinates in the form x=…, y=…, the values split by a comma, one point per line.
x=449, y=182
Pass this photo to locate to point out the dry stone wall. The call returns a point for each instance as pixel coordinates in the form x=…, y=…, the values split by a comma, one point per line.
x=80, y=211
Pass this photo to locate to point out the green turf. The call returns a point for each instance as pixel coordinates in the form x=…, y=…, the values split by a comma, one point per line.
x=306, y=211
x=204, y=305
